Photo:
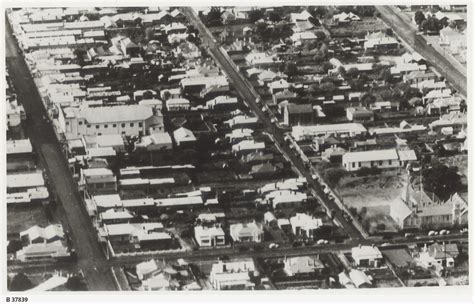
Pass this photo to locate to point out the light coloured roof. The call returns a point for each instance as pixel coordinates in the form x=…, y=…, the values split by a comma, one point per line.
x=366, y=252
x=19, y=146
x=407, y=155
x=122, y=113
x=97, y=172
x=25, y=180
x=183, y=135
x=200, y=231
x=374, y=155
x=306, y=221
x=107, y=200
x=109, y=140
x=116, y=214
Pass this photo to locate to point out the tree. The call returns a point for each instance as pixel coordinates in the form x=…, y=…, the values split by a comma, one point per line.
x=367, y=99
x=419, y=17
x=321, y=35
x=274, y=17
x=432, y=24
x=386, y=75
x=291, y=69
x=441, y=180
x=214, y=16
x=20, y=282
x=353, y=72
x=334, y=176
x=319, y=11
x=327, y=88
x=255, y=15
x=14, y=246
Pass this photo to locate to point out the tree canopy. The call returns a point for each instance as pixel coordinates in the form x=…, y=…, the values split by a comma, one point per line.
x=419, y=17
x=441, y=180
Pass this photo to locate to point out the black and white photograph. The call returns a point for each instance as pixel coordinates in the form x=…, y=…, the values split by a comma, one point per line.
x=262, y=149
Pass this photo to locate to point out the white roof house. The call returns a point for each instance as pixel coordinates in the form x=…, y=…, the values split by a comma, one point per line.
x=107, y=201
x=221, y=100
x=232, y=275
x=248, y=145
x=114, y=214
x=19, y=146
x=183, y=135
x=25, y=180
x=281, y=197
x=306, y=224
x=306, y=132
x=146, y=269
x=239, y=134
x=359, y=278
x=287, y=184
x=242, y=120
x=367, y=156
x=38, y=251
x=246, y=232
x=209, y=236
x=368, y=253
x=37, y=234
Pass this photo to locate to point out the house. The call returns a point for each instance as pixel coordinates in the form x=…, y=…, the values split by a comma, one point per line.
x=298, y=114
x=115, y=216
x=155, y=142
x=147, y=269
x=303, y=266
x=299, y=38
x=383, y=159
x=305, y=226
x=238, y=135
x=345, y=129
x=415, y=77
x=130, y=120
x=284, y=97
x=19, y=155
x=359, y=114
x=222, y=103
x=228, y=17
x=269, y=218
x=360, y=279
x=404, y=127
x=98, y=180
x=343, y=18
x=246, y=232
x=43, y=251
x=128, y=47
x=197, y=84
x=184, y=137
x=455, y=40
x=438, y=256
x=265, y=170
x=380, y=41
x=146, y=235
x=262, y=60
x=458, y=121
x=40, y=235
x=278, y=86
x=209, y=236
x=175, y=28
x=177, y=104
x=232, y=275
x=285, y=198
x=23, y=181
x=293, y=184
x=333, y=154
x=247, y=146
x=160, y=281
x=366, y=256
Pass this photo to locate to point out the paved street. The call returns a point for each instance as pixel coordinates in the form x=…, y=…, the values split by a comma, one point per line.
x=406, y=30
x=90, y=257
x=250, y=96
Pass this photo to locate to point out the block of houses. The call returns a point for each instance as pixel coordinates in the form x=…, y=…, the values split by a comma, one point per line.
x=232, y=275
x=278, y=86
x=285, y=95
x=144, y=235
x=366, y=256
x=242, y=121
x=266, y=170
x=26, y=188
x=155, y=142
x=304, y=225
x=343, y=18
x=262, y=60
x=42, y=243
x=415, y=77
x=239, y=134
x=380, y=41
x=293, y=184
x=359, y=114
x=246, y=232
x=298, y=114
x=209, y=236
x=269, y=218
x=454, y=39
x=303, y=266
x=383, y=159
x=222, y=103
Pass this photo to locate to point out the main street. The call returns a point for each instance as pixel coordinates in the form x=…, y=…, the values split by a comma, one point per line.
x=403, y=27
x=91, y=259
x=247, y=92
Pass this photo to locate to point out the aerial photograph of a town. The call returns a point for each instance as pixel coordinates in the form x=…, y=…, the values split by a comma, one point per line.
x=255, y=148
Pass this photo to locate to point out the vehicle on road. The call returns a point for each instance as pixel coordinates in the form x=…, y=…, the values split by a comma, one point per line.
x=409, y=235
x=464, y=231
x=273, y=246
x=444, y=232
x=322, y=242
x=432, y=233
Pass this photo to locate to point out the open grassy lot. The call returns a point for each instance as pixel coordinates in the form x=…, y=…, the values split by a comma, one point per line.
x=22, y=218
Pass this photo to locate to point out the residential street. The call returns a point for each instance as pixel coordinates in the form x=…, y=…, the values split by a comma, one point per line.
x=250, y=96
x=90, y=257
x=403, y=27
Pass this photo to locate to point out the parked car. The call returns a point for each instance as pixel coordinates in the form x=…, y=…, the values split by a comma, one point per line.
x=432, y=233
x=409, y=235
x=321, y=242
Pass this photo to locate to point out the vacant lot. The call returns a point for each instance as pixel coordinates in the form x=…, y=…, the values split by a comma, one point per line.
x=22, y=218
x=371, y=191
